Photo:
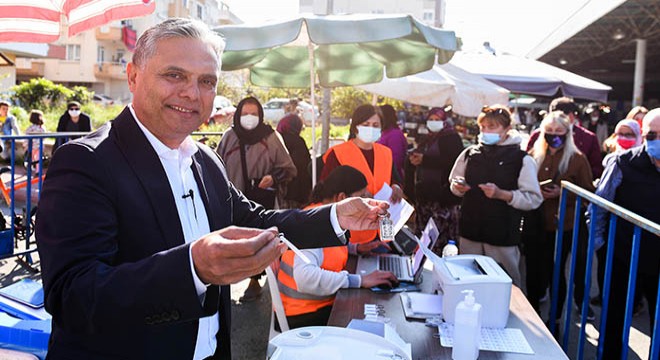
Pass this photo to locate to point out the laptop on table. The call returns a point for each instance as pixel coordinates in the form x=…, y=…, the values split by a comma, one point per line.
x=405, y=268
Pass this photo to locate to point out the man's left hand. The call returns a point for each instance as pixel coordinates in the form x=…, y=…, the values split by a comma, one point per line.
x=360, y=214
x=397, y=194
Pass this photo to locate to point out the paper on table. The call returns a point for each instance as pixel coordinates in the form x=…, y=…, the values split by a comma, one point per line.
x=421, y=303
x=399, y=212
x=492, y=339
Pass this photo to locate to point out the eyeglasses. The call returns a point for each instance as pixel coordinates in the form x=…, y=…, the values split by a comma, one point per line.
x=74, y=109
x=652, y=135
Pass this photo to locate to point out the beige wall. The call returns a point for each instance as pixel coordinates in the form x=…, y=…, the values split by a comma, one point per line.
x=7, y=77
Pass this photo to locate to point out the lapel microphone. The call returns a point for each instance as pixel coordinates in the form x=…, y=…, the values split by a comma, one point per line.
x=191, y=195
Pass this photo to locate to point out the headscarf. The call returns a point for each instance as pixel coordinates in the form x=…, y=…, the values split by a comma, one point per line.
x=250, y=137
x=343, y=179
x=634, y=126
x=290, y=124
x=437, y=111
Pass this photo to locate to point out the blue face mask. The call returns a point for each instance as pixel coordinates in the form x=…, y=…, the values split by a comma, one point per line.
x=653, y=148
x=489, y=138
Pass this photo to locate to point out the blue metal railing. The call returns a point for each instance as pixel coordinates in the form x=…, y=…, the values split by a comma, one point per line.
x=16, y=143
x=616, y=212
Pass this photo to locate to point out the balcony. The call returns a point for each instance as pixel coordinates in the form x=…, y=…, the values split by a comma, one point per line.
x=110, y=70
x=108, y=33
x=29, y=68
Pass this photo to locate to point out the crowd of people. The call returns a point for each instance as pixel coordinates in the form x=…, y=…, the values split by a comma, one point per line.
x=141, y=221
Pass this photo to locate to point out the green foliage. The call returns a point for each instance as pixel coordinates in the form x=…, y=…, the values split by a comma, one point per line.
x=22, y=117
x=40, y=94
x=338, y=132
x=346, y=99
x=81, y=95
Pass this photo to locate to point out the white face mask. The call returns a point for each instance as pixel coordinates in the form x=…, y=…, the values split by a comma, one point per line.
x=249, y=122
x=368, y=134
x=74, y=113
x=594, y=118
x=435, y=125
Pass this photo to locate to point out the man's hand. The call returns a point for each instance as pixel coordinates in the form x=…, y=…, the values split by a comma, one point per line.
x=266, y=182
x=232, y=254
x=416, y=158
x=378, y=278
x=360, y=214
x=366, y=248
x=492, y=191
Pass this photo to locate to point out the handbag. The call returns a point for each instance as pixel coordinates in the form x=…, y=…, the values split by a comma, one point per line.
x=265, y=197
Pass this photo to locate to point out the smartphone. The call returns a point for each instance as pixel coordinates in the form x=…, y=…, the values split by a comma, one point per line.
x=546, y=183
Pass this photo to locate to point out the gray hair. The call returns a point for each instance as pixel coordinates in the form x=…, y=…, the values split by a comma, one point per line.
x=145, y=47
x=648, y=118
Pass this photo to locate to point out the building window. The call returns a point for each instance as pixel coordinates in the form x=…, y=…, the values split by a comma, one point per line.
x=73, y=52
x=428, y=15
x=200, y=11
x=185, y=3
x=100, y=54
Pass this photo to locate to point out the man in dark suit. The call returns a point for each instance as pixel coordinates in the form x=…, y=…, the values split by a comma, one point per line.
x=138, y=226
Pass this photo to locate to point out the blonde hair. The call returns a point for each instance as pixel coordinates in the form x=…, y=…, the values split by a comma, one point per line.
x=541, y=146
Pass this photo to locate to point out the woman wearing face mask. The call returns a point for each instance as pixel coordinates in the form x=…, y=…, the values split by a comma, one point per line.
x=372, y=159
x=393, y=137
x=308, y=290
x=626, y=135
x=73, y=120
x=496, y=180
x=257, y=162
x=431, y=163
x=558, y=159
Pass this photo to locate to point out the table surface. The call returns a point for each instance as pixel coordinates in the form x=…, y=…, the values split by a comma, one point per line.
x=349, y=304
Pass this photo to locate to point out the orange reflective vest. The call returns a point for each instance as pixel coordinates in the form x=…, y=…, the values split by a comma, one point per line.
x=297, y=303
x=348, y=153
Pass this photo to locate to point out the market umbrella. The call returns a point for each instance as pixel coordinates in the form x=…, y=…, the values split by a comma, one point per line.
x=40, y=21
x=340, y=50
x=527, y=76
x=443, y=85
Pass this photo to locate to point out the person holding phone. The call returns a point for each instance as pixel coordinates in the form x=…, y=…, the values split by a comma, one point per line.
x=558, y=159
x=497, y=181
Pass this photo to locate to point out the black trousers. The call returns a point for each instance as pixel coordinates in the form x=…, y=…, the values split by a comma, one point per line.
x=539, y=261
x=647, y=283
x=317, y=318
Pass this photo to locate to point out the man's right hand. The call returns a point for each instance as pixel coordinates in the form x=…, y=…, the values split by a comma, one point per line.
x=232, y=254
x=378, y=277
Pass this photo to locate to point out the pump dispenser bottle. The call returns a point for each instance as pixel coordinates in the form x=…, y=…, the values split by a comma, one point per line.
x=467, y=328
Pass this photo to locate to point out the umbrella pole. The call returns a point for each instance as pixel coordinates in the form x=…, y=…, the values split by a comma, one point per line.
x=310, y=51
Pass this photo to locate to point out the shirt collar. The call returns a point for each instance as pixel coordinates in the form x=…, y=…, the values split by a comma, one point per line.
x=186, y=150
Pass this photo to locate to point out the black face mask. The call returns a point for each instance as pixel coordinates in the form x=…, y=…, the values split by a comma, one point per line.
x=555, y=141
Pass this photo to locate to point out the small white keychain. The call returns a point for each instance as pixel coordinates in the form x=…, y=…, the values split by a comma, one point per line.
x=386, y=228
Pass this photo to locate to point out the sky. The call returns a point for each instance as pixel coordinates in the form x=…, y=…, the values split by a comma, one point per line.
x=513, y=26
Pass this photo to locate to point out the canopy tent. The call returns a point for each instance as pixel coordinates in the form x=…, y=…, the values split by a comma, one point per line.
x=443, y=85
x=526, y=76
x=339, y=50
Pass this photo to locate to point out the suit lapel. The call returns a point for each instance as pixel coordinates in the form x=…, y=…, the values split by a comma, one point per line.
x=149, y=171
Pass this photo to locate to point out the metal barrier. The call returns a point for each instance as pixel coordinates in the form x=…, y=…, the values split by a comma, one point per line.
x=24, y=230
x=616, y=212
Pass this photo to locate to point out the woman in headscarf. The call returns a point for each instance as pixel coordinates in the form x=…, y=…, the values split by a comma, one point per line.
x=627, y=134
x=432, y=161
x=374, y=160
x=257, y=163
x=298, y=189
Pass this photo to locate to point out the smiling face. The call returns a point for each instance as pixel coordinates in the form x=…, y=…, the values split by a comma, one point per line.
x=173, y=91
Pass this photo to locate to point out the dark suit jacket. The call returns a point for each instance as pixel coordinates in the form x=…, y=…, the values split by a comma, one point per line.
x=116, y=270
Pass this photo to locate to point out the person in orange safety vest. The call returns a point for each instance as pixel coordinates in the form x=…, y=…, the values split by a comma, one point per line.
x=308, y=290
x=362, y=152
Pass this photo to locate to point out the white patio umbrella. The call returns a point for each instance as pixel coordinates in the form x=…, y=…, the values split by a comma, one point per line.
x=443, y=85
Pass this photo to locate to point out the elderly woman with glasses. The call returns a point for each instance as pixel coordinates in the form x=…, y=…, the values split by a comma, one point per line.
x=497, y=181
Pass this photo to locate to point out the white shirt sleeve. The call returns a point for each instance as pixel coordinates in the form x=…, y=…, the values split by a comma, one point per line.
x=312, y=279
x=200, y=287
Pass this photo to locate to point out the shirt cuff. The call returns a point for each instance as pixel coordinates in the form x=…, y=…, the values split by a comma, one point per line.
x=354, y=281
x=335, y=221
x=200, y=287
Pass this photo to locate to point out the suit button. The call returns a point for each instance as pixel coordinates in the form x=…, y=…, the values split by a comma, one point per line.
x=175, y=315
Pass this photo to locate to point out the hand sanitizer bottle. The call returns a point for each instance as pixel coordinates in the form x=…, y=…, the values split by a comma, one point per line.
x=450, y=249
x=467, y=328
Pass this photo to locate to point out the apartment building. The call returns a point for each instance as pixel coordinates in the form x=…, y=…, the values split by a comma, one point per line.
x=424, y=10
x=97, y=58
